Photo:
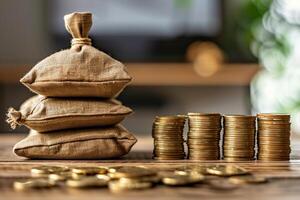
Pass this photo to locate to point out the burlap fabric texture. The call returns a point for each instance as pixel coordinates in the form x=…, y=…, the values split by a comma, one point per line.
x=48, y=114
x=81, y=71
x=92, y=143
x=74, y=115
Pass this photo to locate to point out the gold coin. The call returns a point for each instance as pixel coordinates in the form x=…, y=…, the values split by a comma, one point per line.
x=233, y=159
x=234, y=154
x=85, y=182
x=204, y=143
x=204, y=151
x=226, y=170
x=201, y=169
x=153, y=179
x=61, y=176
x=204, y=114
x=165, y=143
x=273, y=116
x=168, y=158
x=128, y=184
x=278, y=141
x=170, y=118
x=245, y=144
x=201, y=124
x=183, y=179
x=157, y=152
x=90, y=170
x=168, y=145
x=203, y=137
x=237, y=130
x=175, y=155
x=282, y=146
x=130, y=172
x=103, y=176
x=272, y=125
x=45, y=170
x=239, y=117
x=273, y=159
x=33, y=184
x=264, y=122
x=199, y=158
x=159, y=126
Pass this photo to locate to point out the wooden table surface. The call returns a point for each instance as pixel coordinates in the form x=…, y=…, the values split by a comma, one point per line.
x=284, y=177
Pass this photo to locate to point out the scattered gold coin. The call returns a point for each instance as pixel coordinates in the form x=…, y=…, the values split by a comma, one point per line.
x=103, y=177
x=86, y=182
x=128, y=184
x=130, y=172
x=181, y=179
x=62, y=176
x=90, y=170
x=33, y=184
x=45, y=170
x=226, y=170
x=202, y=169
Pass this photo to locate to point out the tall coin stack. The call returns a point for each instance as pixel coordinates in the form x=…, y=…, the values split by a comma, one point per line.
x=167, y=132
x=273, y=136
x=239, y=137
x=204, y=136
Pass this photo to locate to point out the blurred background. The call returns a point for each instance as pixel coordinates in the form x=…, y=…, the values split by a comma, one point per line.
x=227, y=56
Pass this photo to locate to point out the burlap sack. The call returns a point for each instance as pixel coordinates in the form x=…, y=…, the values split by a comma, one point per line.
x=93, y=143
x=48, y=114
x=80, y=71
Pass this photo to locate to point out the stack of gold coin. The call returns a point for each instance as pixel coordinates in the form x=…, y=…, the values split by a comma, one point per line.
x=204, y=136
x=239, y=137
x=273, y=136
x=168, y=137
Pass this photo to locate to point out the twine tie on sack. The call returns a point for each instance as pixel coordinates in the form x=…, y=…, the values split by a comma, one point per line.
x=81, y=41
x=14, y=118
x=78, y=25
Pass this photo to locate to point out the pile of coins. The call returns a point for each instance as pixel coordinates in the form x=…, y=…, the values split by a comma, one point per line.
x=124, y=178
x=204, y=136
x=239, y=137
x=273, y=136
x=168, y=137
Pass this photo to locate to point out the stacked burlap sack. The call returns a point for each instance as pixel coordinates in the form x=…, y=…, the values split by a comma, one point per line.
x=74, y=115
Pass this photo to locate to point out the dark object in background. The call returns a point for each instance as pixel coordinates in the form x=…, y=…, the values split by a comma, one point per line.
x=144, y=31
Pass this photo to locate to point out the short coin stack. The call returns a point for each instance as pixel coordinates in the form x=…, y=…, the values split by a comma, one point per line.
x=204, y=136
x=168, y=137
x=239, y=137
x=273, y=136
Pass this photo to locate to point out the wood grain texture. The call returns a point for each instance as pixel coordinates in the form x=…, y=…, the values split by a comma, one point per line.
x=284, y=177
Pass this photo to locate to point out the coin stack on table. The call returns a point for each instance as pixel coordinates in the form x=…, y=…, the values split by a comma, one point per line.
x=204, y=136
x=273, y=136
x=168, y=137
x=239, y=137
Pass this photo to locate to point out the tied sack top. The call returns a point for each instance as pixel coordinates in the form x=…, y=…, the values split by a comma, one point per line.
x=81, y=71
